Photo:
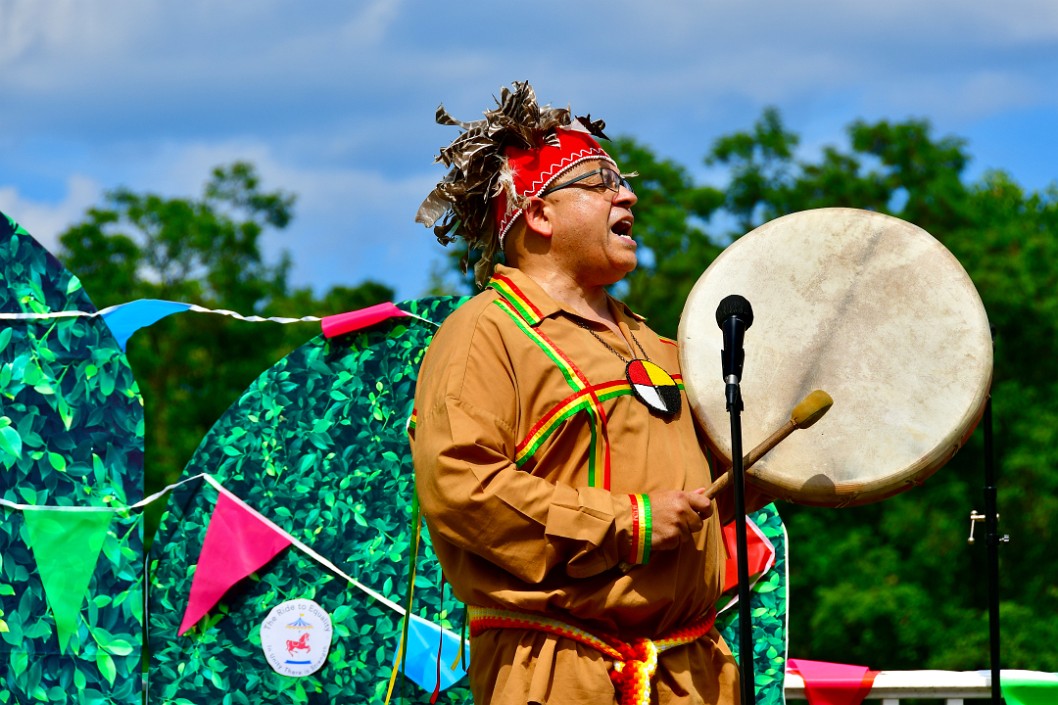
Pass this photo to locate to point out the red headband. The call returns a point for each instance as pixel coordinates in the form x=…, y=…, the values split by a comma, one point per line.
x=527, y=172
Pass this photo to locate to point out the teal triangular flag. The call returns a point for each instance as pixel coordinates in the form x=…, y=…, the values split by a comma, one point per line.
x=66, y=545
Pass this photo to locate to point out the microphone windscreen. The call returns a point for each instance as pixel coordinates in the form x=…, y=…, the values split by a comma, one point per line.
x=734, y=305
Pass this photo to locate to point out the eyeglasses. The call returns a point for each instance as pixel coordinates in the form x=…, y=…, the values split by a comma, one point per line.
x=611, y=181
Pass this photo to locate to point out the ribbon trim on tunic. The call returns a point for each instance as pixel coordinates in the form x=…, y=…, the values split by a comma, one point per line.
x=525, y=315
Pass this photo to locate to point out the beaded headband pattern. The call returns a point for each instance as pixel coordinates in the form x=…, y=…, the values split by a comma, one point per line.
x=514, y=153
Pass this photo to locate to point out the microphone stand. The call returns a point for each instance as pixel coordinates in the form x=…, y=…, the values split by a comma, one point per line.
x=745, y=617
x=993, y=541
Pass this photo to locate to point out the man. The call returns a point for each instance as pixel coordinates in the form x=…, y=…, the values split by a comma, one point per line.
x=558, y=466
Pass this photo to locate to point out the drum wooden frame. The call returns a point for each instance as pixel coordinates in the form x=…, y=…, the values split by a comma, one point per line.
x=867, y=307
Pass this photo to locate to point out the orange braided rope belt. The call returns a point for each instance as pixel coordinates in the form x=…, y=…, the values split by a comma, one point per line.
x=634, y=661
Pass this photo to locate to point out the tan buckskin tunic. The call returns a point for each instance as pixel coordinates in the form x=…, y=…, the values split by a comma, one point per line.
x=523, y=516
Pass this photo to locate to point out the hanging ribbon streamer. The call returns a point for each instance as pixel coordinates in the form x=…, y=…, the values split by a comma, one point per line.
x=117, y=509
x=127, y=318
x=311, y=553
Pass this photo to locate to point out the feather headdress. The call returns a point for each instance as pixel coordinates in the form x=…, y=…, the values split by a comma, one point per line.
x=514, y=153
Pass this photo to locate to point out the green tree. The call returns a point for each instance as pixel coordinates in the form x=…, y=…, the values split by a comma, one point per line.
x=918, y=589
x=894, y=585
x=672, y=213
x=205, y=251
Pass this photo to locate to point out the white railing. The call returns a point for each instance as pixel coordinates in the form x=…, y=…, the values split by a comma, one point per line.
x=890, y=687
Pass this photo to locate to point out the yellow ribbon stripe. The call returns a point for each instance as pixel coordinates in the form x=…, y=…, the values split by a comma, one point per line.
x=641, y=529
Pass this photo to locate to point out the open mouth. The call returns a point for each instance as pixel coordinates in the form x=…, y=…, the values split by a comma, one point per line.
x=623, y=228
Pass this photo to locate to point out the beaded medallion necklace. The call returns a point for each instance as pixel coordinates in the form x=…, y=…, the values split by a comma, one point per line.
x=650, y=384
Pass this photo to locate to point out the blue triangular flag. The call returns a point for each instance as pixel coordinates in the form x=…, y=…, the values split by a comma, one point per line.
x=125, y=319
x=420, y=659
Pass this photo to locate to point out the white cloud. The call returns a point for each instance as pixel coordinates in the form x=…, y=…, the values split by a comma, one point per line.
x=38, y=37
x=108, y=45
x=202, y=65
x=350, y=224
x=46, y=221
x=334, y=101
x=733, y=24
x=964, y=97
x=373, y=23
x=355, y=224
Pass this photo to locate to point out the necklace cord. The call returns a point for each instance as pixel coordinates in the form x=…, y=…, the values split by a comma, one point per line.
x=587, y=327
x=649, y=383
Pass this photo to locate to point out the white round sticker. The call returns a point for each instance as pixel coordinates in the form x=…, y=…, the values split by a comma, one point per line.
x=295, y=637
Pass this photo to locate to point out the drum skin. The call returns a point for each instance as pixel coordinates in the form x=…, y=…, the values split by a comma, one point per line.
x=867, y=307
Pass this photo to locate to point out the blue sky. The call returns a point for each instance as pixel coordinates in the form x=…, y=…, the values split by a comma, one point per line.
x=334, y=101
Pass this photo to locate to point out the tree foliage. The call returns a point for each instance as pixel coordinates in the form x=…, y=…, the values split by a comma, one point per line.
x=206, y=251
x=894, y=585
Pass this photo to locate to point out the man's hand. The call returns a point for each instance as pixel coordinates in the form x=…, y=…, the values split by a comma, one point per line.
x=676, y=516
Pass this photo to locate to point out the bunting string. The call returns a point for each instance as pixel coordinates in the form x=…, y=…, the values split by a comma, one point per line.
x=174, y=306
x=304, y=548
x=120, y=509
x=127, y=318
x=177, y=306
x=301, y=546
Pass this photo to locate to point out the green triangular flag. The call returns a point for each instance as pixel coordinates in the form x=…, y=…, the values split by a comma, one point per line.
x=1029, y=687
x=66, y=545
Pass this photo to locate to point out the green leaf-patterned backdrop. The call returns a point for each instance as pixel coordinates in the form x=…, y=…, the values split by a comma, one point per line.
x=768, y=612
x=318, y=444
x=71, y=434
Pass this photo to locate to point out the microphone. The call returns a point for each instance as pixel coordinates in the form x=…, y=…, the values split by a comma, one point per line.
x=734, y=315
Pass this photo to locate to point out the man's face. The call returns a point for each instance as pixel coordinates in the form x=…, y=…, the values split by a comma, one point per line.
x=593, y=227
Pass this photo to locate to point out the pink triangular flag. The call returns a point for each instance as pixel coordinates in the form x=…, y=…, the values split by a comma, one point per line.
x=355, y=320
x=833, y=683
x=238, y=542
x=760, y=553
